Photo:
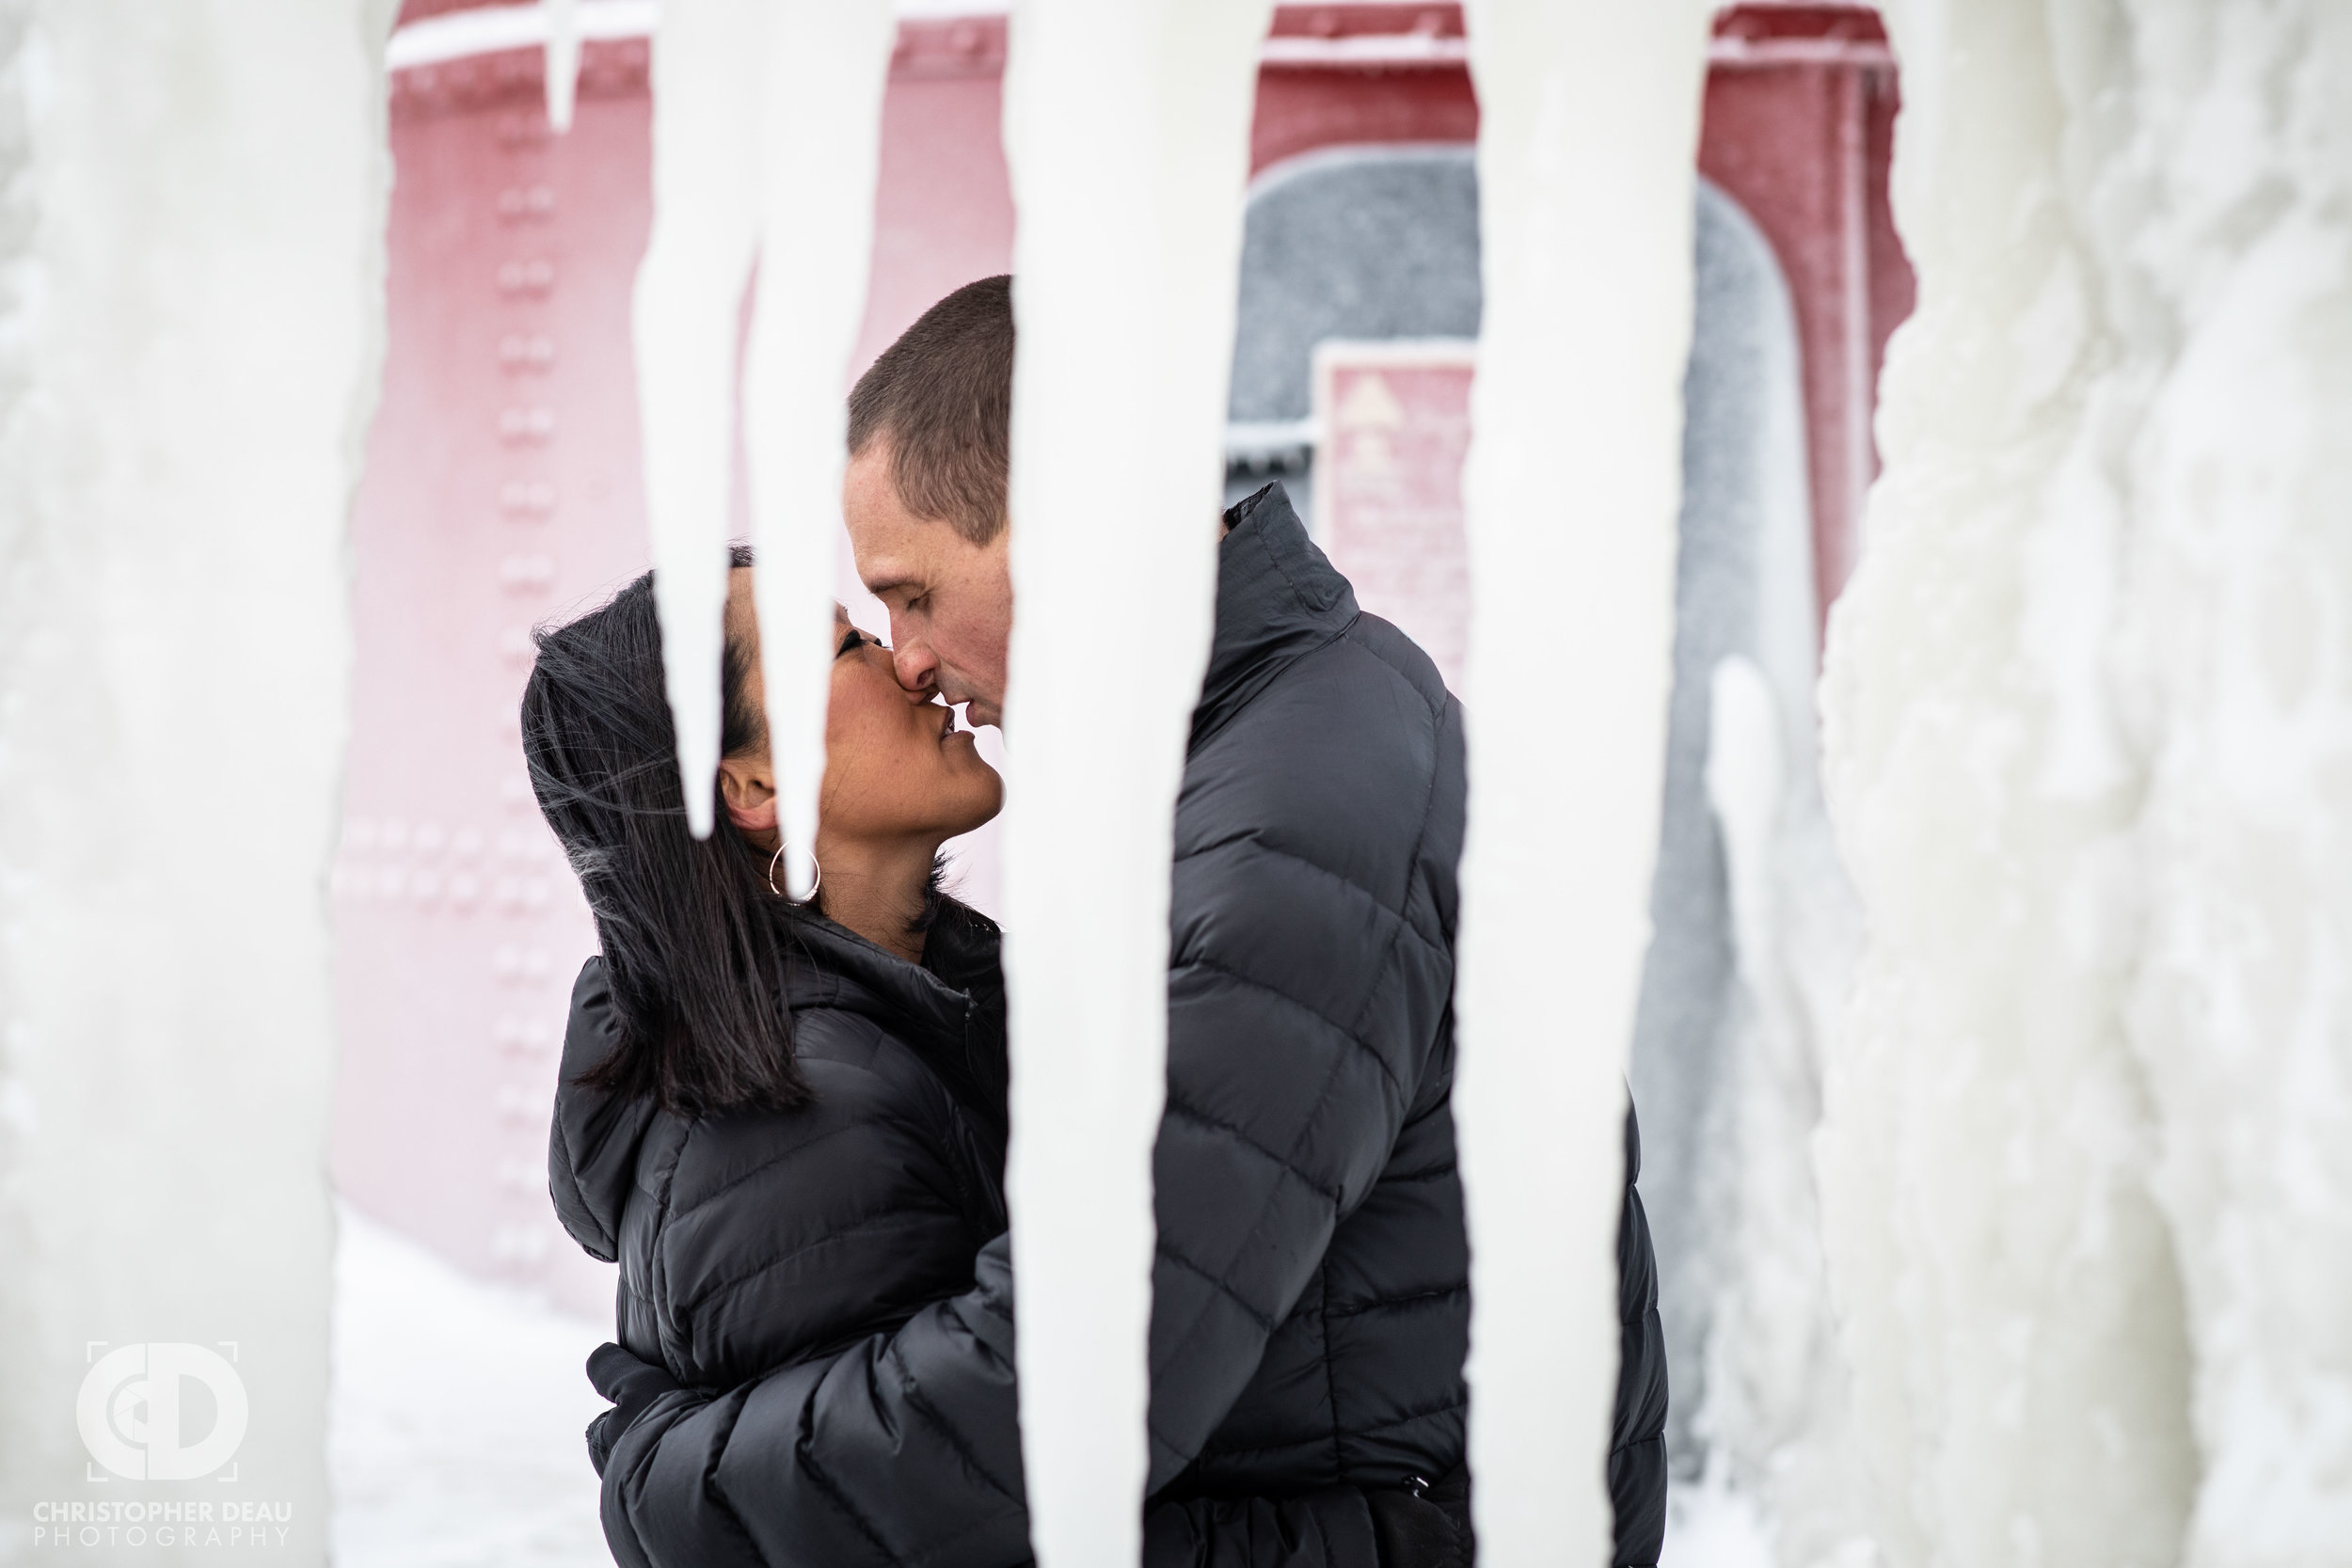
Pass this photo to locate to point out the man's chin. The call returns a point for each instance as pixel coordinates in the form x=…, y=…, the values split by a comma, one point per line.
x=976, y=713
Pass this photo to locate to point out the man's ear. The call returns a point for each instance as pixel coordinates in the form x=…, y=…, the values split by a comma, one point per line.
x=749, y=793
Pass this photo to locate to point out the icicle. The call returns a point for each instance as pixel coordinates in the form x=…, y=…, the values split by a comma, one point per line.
x=1126, y=128
x=1588, y=134
x=686, y=320
x=827, y=62
x=563, y=61
x=191, y=326
x=768, y=118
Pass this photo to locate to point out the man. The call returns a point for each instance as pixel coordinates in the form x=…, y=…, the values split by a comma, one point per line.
x=1310, y=1304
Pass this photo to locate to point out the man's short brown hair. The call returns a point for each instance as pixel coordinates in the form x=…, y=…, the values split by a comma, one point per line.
x=942, y=395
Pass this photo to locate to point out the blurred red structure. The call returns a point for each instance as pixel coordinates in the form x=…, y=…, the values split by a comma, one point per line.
x=502, y=484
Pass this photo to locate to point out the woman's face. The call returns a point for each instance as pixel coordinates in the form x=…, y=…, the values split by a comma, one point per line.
x=896, y=766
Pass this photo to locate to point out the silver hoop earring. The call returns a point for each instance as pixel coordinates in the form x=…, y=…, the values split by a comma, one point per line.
x=777, y=859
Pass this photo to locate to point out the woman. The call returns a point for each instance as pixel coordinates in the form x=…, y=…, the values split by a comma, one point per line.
x=787, y=1121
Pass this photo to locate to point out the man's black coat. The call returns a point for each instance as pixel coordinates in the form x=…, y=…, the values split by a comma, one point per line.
x=1311, y=1293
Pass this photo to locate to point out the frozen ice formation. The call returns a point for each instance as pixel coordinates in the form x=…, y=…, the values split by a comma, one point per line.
x=2088, y=1152
x=768, y=120
x=561, y=63
x=1127, y=134
x=1572, y=486
x=191, y=315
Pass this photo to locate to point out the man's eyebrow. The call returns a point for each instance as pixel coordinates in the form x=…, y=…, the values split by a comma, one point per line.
x=887, y=585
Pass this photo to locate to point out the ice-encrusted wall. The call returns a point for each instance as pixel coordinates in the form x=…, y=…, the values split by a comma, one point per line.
x=191, y=273
x=1743, y=589
x=2088, y=1152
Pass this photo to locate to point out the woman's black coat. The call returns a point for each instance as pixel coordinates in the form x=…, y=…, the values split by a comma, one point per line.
x=754, y=1241
x=1310, y=1294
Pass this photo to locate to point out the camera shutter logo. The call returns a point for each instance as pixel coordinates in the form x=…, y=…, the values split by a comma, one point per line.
x=131, y=1415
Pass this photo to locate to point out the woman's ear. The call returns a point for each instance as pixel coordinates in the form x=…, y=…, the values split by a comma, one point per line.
x=749, y=794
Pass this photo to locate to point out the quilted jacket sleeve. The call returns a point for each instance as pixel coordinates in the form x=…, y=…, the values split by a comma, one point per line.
x=1309, y=988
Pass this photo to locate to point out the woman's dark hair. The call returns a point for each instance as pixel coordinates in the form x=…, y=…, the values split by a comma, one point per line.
x=694, y=939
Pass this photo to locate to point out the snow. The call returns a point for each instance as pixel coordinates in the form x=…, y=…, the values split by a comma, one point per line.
x=1585, y=108
x=1712, y=1526
x=191, y=277
x=459, y=1407
x=1127, y=136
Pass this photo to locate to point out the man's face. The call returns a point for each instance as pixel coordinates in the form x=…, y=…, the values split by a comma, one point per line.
x=950, y=601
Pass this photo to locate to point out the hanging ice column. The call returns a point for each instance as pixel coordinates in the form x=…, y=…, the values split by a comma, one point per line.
x=1127, y=133
x=2088, y=1156
x=189, y=333
x=1588, y=134
x=768, y=119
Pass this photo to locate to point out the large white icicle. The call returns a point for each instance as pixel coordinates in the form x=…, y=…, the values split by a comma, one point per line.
x=820, y=103
x=1126, y=129
x=768, y=120
x=191, y=305
x=687, y=319
x=1588, y=134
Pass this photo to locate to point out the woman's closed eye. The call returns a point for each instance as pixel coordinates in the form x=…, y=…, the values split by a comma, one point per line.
x=853, y=640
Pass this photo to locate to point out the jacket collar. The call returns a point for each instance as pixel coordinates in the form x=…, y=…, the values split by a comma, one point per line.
x=951, y=1010
x=834, y=967
x=1277, y=598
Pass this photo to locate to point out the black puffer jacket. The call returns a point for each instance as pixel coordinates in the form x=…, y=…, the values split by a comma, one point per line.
x=750, y=1242
x=1310, y=1301
x=750, y=1239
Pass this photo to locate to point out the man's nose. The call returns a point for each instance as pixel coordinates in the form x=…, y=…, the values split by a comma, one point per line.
x=916, y=669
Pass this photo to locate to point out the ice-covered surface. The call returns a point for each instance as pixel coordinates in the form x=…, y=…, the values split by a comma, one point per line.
x=2088, y=1147
x=191, y=265
x=2006, y=1285
x=1773, y=1414
x=1127, y=134
x=1585, y=108
x=457, y=1415
x=2218, y=212
x=1743, y=591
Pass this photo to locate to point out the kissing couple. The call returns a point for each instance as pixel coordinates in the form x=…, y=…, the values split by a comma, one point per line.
x=786, y=1120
